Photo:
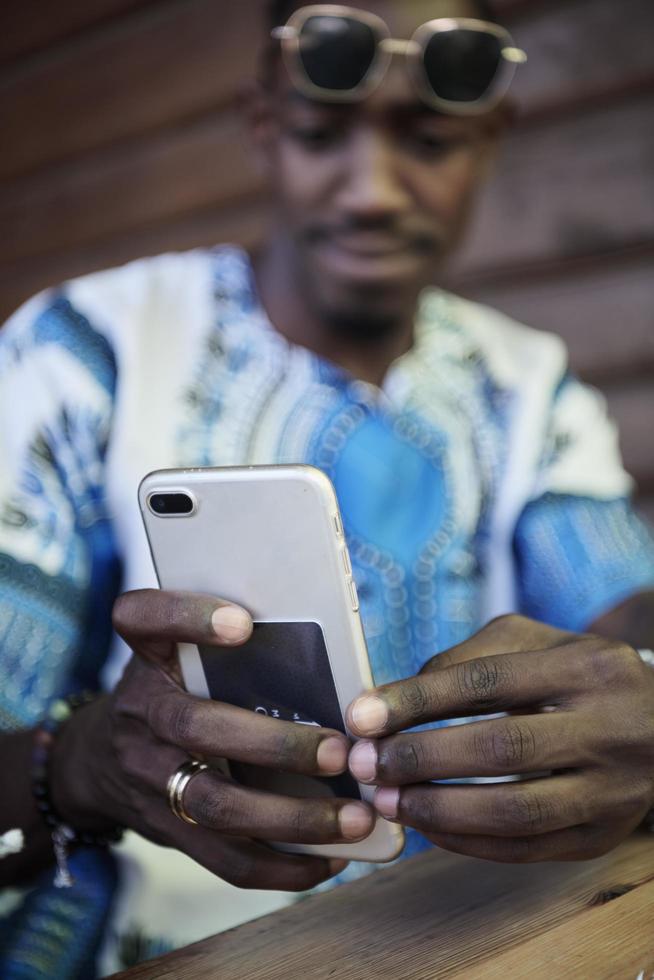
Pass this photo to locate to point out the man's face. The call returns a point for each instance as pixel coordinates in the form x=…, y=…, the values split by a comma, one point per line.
x=372, y=195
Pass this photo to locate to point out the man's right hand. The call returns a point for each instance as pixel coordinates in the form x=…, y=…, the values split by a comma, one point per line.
x=113, y=759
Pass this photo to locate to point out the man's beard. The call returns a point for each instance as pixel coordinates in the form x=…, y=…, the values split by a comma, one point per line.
x=360, y=326
x=364, y=314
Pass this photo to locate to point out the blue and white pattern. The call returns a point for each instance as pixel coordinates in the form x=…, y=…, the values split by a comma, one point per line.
x=480, y=479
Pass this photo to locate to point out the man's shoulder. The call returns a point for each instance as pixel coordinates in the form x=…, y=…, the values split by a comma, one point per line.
x=511, y=351
x=145, y=291
x=148, y=289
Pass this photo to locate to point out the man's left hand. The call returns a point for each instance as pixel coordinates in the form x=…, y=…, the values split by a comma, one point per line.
x=581, y=724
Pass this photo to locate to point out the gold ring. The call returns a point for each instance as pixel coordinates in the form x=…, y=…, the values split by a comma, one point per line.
x=177, y=785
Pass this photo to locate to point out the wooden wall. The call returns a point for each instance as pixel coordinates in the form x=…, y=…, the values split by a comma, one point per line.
x=121, y=137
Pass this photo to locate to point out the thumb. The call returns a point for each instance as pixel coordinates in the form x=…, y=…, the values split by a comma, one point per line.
x=152, y=622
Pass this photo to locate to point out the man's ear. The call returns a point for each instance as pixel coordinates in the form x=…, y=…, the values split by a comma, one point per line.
x=262, y=127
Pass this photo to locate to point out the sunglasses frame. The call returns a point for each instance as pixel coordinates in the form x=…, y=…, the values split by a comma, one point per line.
x=387, y=46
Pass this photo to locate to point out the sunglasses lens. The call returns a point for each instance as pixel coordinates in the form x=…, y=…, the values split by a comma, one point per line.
x=461, y=65
x=336, y=52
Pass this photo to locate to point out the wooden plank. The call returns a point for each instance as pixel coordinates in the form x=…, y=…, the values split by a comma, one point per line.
x=508, y=10
x=165, y=63
x=30, y=25
x=204, y=164
x=603, y=310
x=580, y=50
x=437, y=915
x=603, y=943
x=241, y=225
x=572, y=186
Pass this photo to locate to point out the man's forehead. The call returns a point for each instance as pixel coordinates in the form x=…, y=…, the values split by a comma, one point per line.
x=404, y=16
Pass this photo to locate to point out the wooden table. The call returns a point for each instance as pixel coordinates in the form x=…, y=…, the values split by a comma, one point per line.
x=443, y=915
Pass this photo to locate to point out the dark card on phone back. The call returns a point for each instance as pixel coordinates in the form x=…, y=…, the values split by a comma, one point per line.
x=283, y=672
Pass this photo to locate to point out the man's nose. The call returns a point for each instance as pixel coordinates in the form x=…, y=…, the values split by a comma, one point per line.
x=372, y=186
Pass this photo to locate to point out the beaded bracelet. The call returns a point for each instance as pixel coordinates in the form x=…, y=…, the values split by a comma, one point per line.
x=63, y=835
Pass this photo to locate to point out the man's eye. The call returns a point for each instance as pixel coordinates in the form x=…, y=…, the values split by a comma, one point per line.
x=315, y=137
x=434, y=144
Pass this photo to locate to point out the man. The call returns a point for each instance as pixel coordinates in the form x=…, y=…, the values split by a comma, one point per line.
x=475, y=478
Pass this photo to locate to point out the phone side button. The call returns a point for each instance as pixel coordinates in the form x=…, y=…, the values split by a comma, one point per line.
x=337, y=525
x=353, y=594
x=346, y=562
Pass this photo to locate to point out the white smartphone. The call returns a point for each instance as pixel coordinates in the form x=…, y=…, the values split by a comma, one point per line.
x=270, y=538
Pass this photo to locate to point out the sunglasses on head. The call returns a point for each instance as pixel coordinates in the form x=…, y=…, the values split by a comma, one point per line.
x=339, y=54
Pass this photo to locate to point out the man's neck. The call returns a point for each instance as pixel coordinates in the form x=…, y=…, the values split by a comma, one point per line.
x=292, y=316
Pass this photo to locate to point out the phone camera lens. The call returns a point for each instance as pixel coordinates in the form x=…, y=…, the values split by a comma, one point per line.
x=170, y=504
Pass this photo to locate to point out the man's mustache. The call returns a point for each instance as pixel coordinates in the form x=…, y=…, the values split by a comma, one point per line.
x=407, y=234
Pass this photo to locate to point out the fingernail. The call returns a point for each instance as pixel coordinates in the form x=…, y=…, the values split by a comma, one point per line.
x=355, y=821
x=387, y=801
x=363, y=761
x=231, y=624
x=369, y=714
x=336, y=865
x=332, y=755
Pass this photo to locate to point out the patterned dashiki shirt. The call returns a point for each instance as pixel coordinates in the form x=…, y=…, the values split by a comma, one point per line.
x=480, y=479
